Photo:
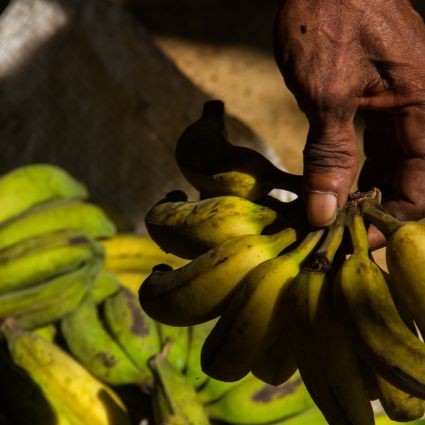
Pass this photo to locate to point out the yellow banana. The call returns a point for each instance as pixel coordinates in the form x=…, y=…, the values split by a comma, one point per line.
x=48, y=331
x=23, y=400
x=133, y=253
x=277, y=363
x=45, y=256
x=405, y=250
x=66, y=385
x=188, y=229
x=384, y=341
x=369, y=379
x=397, y=404
x=52, y=216
x=324, y=354
x=30, y=185
x=251, y=320
x=215, y=167
x=132, y=280
x=198, y=291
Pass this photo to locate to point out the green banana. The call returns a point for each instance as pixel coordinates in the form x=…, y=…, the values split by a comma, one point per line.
x=254, y=402
x=213, y=389
x=177, y=338
x=385, y=342
x=314, y=417
x=405, y=250
x=67, y=386
x=198, y=291
x=382, y=419
x=216, y=167
x=324, y=354
x=197, y=336
x=50, y=300
x=27, y=186
x=105, y=284
x=130, y=253
x=251, y=320
x=135, y=332
x=90, y=343
x=174, y=400
x=48, y=332
x=188, y=229
x=52, y=216
x=310, y=416
x=33, y=260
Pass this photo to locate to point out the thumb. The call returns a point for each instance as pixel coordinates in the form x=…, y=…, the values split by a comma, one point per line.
x=330, y=168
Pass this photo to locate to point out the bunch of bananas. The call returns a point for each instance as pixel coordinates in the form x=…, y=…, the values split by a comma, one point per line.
x=181, y=391
x=287, y=299
x=50, y=252
x=73, y=334
x=50, y=262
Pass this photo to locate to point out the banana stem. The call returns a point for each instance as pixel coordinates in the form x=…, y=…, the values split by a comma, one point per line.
x=307, y=245
x=326, y=252
x=284, y=238
x=383, y=220
x=358, y=232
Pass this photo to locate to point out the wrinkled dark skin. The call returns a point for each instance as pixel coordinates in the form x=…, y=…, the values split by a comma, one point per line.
x=340, y=57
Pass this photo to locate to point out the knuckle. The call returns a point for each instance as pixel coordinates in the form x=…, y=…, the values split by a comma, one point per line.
x=329, y=153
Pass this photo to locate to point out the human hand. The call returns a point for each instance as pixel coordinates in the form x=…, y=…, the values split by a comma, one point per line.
x=343, y=56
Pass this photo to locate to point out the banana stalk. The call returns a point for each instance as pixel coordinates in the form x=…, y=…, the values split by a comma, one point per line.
x=175, y=401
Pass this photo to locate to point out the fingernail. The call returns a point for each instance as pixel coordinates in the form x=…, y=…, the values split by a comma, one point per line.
x=322, y=208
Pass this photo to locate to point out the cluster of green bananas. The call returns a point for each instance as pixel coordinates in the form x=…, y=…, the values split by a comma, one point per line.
x=50, y=264
x=49, y=244
x=290, y=300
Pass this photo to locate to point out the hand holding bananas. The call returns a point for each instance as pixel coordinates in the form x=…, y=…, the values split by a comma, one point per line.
x=344, y=324
x=334, y=74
